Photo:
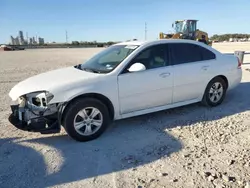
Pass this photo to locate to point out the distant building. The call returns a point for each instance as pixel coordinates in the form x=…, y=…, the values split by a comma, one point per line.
x=12, y=40
x=21, y=38
x=16, y=41
x=40, y=40
x=30, y=42
x=33, y=40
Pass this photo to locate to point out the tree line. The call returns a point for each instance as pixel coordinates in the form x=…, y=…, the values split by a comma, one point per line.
x=94, y=43
x=226, y=37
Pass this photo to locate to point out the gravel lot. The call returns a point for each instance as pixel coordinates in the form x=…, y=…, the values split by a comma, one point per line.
x=189, y=147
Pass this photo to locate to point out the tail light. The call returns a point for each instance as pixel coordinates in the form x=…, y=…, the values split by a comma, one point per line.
x=239, y=63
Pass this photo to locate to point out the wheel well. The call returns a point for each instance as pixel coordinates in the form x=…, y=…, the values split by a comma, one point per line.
x=219, y=76
x=100, y=97
x=224, y=78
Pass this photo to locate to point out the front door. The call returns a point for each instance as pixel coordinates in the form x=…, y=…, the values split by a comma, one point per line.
x=149, y=88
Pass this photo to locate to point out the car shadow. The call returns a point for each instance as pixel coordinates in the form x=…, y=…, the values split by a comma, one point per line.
x=19, y=164
x=62, y=160
x=126, y=145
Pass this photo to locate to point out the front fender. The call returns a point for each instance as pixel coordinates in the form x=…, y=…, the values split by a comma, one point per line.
x=69, y=94
x=109, y=89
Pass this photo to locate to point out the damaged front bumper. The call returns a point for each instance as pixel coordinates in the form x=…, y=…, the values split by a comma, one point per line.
x=24, y=118
x=15, y=119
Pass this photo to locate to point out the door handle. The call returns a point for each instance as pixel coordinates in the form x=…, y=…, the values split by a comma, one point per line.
x=165, y=74
x=205, y=67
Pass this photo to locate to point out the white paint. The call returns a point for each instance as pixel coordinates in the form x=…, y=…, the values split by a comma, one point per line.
x=137, y=93
x=137, y=67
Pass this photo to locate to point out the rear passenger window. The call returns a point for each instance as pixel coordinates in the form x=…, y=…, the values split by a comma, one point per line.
x=206, y=54
x=186, y=53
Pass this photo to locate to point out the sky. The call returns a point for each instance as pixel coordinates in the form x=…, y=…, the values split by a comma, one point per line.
x=117, y=20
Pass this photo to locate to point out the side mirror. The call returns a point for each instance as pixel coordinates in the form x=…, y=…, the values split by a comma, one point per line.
x=137, y=67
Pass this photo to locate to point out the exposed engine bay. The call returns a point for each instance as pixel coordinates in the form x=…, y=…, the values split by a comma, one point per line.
x=32, y=112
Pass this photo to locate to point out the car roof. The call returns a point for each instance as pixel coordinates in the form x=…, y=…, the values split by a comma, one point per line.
x=158, y=41
x=131, y=43
x=165, y=41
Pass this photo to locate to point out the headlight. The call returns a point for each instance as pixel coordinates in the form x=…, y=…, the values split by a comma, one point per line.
x=18, y=101
x=40, y=98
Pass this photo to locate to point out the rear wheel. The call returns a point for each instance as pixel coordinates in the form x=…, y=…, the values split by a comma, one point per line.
x=215, y=92
x=86, y=119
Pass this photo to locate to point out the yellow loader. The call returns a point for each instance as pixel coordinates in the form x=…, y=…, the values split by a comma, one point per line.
x=186, y=29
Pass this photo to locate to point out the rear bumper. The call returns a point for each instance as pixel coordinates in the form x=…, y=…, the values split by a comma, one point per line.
x=235, y=79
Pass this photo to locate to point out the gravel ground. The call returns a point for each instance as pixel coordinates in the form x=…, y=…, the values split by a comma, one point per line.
x=189, y=147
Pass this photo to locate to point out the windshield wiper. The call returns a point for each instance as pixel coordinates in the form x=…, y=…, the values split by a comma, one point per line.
x=85, y=69
x=91, y=70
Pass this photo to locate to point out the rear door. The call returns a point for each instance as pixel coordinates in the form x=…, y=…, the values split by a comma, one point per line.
x=191, y=69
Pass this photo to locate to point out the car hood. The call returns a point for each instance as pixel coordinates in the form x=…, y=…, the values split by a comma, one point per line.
x=52, y=80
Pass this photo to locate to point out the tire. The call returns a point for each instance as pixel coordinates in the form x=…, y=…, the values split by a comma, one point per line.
x=87, y=125
x=207, y=97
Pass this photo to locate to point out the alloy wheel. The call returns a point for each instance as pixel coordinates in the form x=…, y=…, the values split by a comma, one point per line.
x=88, y=121
x=216, y=92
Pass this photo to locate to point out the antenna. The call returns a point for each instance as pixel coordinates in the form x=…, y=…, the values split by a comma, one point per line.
x=145, y=30
x=66, y=33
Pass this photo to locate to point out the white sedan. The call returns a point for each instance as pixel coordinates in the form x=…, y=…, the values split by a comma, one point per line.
x=124, y=80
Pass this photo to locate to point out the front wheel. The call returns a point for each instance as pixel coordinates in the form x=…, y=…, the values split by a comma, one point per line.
x=215, y=92
x=86, y=119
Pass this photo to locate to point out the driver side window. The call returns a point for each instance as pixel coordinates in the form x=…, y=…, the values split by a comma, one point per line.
x=152, y=57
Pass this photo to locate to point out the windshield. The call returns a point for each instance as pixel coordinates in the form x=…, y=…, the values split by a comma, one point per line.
x=192, y=25
x=181, y=27
x=108, y=59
